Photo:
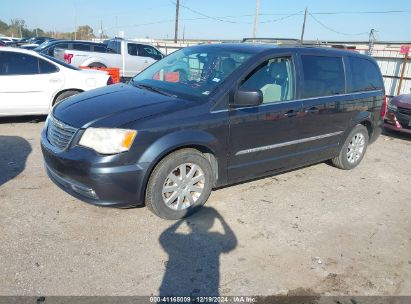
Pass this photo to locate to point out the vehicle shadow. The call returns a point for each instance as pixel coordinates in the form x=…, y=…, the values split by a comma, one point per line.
x=193, y=266
x=23, y=119
x=14, y=151
x=397, y=135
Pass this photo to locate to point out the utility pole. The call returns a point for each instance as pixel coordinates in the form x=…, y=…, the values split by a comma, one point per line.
x=371, y=40
x=75, y=24
x=176, y=25
x=303, y=29
x=257, y=14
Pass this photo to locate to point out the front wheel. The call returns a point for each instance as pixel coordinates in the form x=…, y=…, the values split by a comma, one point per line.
x=353, y=150
x=179, y=185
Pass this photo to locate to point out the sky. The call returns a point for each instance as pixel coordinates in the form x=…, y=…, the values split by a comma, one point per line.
x=219, y=19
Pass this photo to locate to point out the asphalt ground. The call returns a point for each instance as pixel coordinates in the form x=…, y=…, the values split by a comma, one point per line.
x=316, y=230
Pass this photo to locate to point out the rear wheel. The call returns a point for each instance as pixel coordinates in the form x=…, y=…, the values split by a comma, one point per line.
x=96, y=65
x=353, y=150
x=179, y=185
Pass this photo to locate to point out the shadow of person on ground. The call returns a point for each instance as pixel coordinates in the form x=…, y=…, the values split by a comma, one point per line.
x=193, y=267
x=14, y=151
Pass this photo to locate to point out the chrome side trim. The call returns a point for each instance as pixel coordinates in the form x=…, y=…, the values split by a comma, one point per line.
x=299, y=100
x=287, y=143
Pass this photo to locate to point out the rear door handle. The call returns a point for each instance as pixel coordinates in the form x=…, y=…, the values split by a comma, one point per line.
x=312, y=110
x=291, y=113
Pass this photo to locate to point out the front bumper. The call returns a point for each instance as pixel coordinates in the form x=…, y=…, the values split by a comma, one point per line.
x=95, y=179
x=397, y=122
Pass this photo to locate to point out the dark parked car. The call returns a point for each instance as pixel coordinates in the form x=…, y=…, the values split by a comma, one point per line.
x=48, y=47
x=34, y=42
x=237, y=112
x=398, y=117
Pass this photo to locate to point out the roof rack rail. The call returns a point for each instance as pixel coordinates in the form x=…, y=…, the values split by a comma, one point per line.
x=272, y=40
x=297, y=42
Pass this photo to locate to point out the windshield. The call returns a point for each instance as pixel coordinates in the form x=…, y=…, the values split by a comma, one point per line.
x=192, y=71
x=44, y=45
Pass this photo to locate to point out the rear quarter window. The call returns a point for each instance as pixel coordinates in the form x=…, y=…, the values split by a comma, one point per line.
x=99, y=48
x=323, y=76
x=365, y=75
x=82, y=47
x=46, y=67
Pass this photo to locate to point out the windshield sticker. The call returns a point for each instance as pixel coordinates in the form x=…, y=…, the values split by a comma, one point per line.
x=216, y=79
x=206, y=93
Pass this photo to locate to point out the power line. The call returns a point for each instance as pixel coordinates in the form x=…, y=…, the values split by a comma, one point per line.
x=362, y=12
x=282, y=18
x=335, y=31
x=207, y=16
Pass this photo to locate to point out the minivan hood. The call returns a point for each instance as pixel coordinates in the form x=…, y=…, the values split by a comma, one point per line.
x=106, y=104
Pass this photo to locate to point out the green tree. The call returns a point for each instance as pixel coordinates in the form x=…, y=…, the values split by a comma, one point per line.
x=84, y=32
x=3, y=27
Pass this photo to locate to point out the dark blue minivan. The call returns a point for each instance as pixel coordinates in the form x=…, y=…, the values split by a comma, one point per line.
x=212, y=115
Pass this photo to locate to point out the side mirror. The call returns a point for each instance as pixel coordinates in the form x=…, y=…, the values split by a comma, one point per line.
x=244, y=98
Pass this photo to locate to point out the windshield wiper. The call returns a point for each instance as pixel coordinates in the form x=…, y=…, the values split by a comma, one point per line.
x=151, y=88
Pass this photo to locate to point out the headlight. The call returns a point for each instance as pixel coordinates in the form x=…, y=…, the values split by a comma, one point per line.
x=108, y=141
x=392, y=107
x=46, y=123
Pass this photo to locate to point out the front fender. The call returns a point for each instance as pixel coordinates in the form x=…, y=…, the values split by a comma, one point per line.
x=182, y=139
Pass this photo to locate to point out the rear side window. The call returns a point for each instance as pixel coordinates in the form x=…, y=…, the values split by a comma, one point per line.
x=114, y=47
x=323, y=76
x=82, y=47
x=99, y=48
x=132, y=49
x=18, y=64
x=365, y=75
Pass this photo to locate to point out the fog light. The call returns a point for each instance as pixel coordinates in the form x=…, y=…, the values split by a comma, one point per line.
x=84, y=191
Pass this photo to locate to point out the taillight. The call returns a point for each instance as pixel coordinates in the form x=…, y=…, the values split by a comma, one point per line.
x=110, y=81
x=384, y=107
x=68, y=57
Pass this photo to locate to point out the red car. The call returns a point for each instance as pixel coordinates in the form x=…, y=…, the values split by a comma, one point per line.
x=398, y=116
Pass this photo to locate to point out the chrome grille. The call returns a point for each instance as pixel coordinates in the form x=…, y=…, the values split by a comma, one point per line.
x=404, y=111
x=59, y=134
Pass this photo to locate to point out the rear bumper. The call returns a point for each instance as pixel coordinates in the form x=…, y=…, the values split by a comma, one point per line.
x=397, y=122
x=98, y=180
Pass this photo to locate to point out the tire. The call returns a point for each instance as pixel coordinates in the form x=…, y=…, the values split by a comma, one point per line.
x=96, y=65
x=165, y=176
x=356, y=143
x=64, y=95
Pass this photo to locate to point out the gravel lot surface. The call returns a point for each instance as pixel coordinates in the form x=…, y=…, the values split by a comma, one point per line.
x=314, y=230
